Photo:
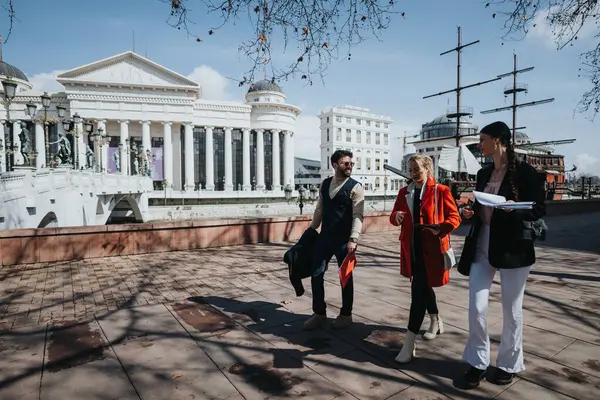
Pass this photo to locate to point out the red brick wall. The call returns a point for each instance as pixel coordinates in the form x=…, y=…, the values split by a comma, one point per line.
x=29, y=246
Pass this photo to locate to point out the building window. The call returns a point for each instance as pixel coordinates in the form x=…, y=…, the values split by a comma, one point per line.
x=385, y=162
x=348, y=135
x=348, y=120
x=377, y=138
x=386, y=139
x=377, y=124
x=327, y=119
x=358, y=163
x=386, y=125
x=377, y=164
x=368, y=123
x=377, y=182
x=368, y=163
x=358, y=138
x=328, y=134
x=338, y=134
x=327, y=163
x=358, y=121
x=428, y=149
x=368, y=137
x=338, y=118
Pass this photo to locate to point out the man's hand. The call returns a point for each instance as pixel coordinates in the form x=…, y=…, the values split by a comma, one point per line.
x=468, y=212
x=351, y=247
x=399, y=217
x=508, y=209
x=434, y=231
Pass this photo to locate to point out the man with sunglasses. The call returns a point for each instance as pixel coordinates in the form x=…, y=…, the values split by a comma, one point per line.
x=339, y=212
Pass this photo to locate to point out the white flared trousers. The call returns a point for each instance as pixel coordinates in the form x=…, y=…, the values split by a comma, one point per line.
x=512, y=286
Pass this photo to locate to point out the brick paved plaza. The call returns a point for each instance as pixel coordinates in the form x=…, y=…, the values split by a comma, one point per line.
x=225, y=324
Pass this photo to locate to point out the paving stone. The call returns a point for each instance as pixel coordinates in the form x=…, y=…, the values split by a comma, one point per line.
x=363, y=376
x=81, y=365
x=570, y=326
x=581, y=356
x=21, y=358
x=261, y=378
x=560, y=378
x=418, y=391
x=524, y=390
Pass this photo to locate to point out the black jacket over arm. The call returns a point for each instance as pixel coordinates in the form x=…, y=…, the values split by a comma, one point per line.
x=510, y=246
x=299, y=259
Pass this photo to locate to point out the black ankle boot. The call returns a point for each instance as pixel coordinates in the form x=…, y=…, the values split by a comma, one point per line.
x=502, y=377
x=472, y=377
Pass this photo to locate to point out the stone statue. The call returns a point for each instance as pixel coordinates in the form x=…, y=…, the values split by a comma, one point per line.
x=26, y=149
x=136, y=166
x=64, y=149
x=149, y=162
x=89, y=153
x=117, y=158
x=64, y=154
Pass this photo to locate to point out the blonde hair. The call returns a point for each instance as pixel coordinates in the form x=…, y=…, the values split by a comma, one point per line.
x=425, y=162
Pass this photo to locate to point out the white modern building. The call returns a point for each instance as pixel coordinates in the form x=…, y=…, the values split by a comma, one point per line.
x=307, y=172
x=367, y=136
x=128, y=115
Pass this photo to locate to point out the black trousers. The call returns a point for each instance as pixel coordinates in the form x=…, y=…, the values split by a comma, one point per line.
x=422, y=296
x=323, y=253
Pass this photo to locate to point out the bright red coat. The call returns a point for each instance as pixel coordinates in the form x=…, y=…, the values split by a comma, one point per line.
x=433, y=246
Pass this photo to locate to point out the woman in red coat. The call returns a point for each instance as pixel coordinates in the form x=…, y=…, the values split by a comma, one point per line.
x=423, y=202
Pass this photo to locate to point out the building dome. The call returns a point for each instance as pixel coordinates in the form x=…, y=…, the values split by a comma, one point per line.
x=443, y=126
x=11, y=72
x=265, y=85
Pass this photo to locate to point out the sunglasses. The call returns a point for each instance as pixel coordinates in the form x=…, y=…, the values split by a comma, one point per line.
x=347, y=164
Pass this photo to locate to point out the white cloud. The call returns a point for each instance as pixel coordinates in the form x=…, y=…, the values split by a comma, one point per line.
x=307, y=139
x=45, y=82
x=587, y=163
x=541, y=30
x=214, y=85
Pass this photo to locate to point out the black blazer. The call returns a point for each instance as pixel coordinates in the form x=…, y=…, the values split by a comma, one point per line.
x=299, y=259
x=510, y=245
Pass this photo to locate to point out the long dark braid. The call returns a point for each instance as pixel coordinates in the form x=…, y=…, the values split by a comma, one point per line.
x=513, y=162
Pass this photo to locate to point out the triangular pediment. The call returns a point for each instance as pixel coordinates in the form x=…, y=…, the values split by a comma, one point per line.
x=126, y=69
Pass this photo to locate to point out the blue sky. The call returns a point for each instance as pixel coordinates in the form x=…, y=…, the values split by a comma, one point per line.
x=390, y=76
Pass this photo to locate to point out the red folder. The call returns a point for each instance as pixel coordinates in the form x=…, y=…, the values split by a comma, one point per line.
x=346, y=268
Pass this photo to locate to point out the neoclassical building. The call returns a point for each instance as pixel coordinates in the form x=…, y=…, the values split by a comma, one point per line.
x=128, y=115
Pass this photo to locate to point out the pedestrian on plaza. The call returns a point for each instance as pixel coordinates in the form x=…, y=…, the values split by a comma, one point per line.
x=499, y=240
x=427, y=214
x=339, y=212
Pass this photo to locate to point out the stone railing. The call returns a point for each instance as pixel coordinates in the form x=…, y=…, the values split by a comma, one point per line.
x=28, y=246
x=44, y=180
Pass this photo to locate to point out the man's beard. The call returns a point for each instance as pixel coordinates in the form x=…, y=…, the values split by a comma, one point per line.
x=342, y=172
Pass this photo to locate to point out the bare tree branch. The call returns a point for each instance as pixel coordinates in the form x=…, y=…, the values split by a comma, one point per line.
x=10, y=9
x=314, y=31
x=566, y=19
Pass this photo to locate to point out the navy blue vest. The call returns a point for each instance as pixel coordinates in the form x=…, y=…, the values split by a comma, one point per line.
x=337, y=212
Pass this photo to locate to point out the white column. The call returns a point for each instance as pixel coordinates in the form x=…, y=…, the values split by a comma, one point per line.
x=246, y=160
x=286, y=164
x=168, y=153
x=260, y=159
x=101, y=153
x=276, y=161
x=16, y=141
x=146, y=142
x=210, y=161
x=189, y=157
x=124, y=160
x=2, y=148
x=40, y=146
x=291, y=158
x=228, y=161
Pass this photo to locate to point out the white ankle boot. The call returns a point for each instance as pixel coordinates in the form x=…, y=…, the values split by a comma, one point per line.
x=436, y=327
x=408, y=348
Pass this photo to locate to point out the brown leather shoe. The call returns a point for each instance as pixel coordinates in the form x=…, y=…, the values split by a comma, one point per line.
x=314, y=322
x=342, y=321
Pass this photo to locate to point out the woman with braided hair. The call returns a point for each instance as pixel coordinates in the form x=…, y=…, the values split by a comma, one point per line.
x=499, y=240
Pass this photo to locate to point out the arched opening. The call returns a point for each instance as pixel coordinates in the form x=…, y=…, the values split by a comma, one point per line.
x=49, y=221
x=124, y=211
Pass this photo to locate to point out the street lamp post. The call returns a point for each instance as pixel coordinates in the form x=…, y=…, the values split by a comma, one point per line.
x=100, y=139
x=304, y=195
x=10, y=91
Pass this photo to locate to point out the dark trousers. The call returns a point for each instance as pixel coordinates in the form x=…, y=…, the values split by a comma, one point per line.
x=323, y=254
x=422, y=296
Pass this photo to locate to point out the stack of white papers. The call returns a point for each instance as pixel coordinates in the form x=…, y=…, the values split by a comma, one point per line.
x=492, y=200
